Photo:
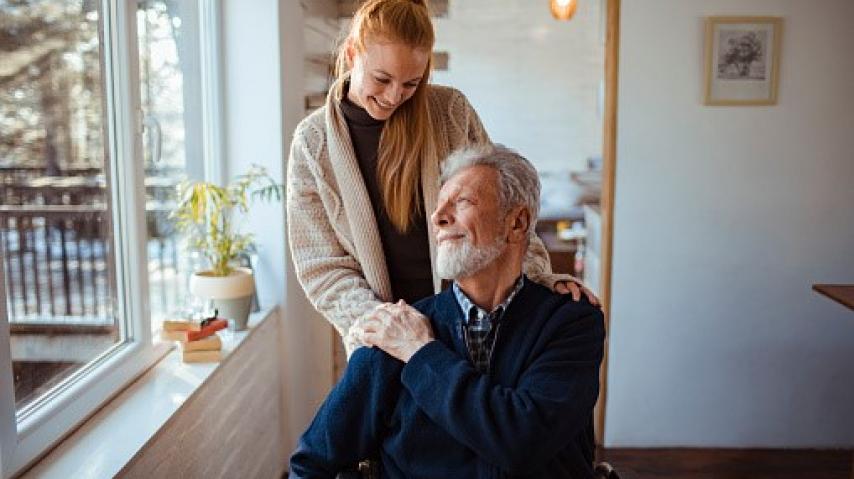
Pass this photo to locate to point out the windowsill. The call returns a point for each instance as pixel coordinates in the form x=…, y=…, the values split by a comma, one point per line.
x=110, y=439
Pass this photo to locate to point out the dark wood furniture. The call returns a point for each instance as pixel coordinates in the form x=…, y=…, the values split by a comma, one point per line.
x=561, y=253
x=841, y=293
x=728, y=463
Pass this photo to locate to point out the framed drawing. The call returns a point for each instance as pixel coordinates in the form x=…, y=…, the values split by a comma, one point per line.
x=742, y=60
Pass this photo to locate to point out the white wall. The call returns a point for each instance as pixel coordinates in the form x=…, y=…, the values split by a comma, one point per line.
x=263, y=70
x=253, y=124
x=307, y=335
x=724, y=217
x=534, y=80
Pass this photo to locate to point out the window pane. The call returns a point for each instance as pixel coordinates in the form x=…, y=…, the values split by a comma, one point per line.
x=55, y=223
x=171, y=104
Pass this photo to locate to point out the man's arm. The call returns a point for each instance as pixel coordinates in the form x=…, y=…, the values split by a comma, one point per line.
x=348, y=426
x=518, y=429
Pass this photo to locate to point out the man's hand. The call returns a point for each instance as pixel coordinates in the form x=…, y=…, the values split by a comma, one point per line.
x=575, y=288
x=398, y=329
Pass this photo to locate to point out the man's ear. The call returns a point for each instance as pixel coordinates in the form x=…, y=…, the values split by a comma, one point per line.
x=520, y=223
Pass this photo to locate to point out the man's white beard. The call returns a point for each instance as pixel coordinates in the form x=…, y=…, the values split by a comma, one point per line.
x=460, y=259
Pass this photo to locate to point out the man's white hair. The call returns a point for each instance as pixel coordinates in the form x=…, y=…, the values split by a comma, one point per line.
x=518, y=182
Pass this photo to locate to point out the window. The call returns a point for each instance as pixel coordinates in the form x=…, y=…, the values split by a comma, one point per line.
x=85, y=198
x=55, y=224
x=168, y=44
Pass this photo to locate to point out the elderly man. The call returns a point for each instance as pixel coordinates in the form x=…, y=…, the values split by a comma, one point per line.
x=494, y=377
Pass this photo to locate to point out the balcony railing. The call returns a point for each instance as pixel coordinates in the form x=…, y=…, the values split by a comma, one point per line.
x=57, y=261
x=58, y=257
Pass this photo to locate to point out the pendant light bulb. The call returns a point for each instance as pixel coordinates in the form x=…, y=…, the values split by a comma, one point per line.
x=563, y=9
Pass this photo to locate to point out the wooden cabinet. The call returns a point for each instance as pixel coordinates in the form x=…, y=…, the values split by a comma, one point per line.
x=561, y=253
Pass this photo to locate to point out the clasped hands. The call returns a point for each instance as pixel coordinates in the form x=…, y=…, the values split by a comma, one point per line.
x=396, y=328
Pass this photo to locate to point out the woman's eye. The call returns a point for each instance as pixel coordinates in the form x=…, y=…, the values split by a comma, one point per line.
x=411, y=85
x=384, y=81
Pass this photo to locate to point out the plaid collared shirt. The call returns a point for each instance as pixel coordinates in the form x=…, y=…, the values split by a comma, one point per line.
x=480, y=327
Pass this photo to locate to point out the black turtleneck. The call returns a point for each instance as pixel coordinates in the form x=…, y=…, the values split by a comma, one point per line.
x=407, y=254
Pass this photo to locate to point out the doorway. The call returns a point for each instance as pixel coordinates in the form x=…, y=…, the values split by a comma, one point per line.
x=543, y=86
x=547, y=87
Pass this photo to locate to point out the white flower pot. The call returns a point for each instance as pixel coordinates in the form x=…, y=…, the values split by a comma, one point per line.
x=230, y=294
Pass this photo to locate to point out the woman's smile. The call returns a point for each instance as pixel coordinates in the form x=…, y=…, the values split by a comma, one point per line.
x=383, y=105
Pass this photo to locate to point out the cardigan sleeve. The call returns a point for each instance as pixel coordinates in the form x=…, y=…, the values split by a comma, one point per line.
x=331, y=277
x=517, y=428
x=537, y=265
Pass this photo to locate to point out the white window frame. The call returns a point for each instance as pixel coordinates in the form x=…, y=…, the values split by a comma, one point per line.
x=210, y=54
x=7, y=394
x=27, y=435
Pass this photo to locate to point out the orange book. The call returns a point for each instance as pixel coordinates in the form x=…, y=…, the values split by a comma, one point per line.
x=207, y=330
x=210, y=343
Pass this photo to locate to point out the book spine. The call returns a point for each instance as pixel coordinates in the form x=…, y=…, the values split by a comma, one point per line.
x=210, y=343
x=177, y=325
x=201, y=356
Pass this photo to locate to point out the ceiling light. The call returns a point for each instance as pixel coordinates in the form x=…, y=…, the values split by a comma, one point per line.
x=563, y=9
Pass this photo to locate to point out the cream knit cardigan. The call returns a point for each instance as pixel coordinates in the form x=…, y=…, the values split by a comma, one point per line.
x=332, y=230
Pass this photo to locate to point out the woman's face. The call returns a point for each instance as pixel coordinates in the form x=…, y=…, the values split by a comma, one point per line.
x=384, y=76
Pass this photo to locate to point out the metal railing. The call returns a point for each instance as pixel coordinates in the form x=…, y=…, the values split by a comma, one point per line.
x=57, y=261
x=56, y=236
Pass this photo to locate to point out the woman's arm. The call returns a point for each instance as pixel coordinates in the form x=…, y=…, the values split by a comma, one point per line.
x=538, y=267
x=331, y=277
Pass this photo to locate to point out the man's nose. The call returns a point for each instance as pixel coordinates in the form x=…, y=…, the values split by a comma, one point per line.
x=440, y=217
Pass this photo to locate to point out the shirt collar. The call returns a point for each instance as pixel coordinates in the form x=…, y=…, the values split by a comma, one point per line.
x=466, y=304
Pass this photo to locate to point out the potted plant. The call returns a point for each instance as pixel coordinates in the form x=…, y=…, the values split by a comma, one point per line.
x=210, y=215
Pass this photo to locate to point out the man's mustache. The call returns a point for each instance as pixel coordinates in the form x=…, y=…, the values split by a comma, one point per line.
x=450, y=235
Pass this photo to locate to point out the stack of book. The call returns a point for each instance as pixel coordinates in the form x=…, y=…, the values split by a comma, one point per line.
x=198, y=340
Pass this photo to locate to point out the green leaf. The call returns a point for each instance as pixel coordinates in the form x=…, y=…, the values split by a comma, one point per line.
x=205, y=213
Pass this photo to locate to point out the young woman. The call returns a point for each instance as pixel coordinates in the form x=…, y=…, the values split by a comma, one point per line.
x=363, y=173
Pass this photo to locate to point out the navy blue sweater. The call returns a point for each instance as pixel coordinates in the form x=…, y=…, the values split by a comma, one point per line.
x=437, y=417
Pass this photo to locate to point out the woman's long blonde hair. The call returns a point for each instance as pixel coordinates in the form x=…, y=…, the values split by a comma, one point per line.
x=407, y=138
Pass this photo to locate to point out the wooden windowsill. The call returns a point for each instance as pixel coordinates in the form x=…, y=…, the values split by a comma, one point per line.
x=111, y=438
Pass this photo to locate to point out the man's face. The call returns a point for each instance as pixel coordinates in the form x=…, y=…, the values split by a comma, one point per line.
x=469, y=223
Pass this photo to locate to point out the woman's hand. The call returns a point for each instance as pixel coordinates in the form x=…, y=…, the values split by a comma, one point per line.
x=575, y=288
x=398, y=329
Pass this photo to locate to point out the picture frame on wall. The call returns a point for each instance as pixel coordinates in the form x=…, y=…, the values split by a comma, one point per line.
x=742, y=60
